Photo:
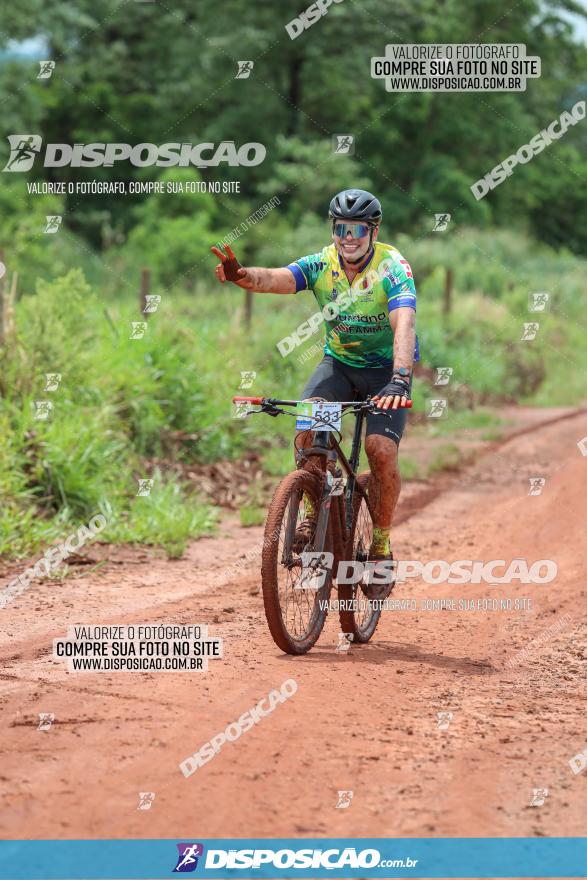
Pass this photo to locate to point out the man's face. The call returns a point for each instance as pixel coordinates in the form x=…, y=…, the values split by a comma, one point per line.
x=352, y=240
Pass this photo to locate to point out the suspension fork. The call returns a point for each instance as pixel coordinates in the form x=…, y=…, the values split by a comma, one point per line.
x=290, y=529
x=354, y=463
x=322, y=441
x=320, y=448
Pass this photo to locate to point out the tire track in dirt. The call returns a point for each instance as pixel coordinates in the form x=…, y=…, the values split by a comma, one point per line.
x=365, y=722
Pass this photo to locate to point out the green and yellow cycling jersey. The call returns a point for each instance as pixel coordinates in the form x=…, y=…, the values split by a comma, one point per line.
x=356, y=315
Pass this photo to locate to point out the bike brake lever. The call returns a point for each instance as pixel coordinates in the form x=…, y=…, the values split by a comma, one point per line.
x=270, y=409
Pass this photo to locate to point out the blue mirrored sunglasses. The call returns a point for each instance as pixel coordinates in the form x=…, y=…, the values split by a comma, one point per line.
x=357, y=230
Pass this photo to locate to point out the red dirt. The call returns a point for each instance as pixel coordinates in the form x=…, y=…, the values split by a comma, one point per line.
x=364, y=721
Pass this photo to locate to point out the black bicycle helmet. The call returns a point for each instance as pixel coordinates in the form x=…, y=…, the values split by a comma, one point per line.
x=356, y=204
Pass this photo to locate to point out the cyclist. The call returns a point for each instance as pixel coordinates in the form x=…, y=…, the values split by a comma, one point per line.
x=368, y=299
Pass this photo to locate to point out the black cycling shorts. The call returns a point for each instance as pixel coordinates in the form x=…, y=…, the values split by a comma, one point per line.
x=334, y=381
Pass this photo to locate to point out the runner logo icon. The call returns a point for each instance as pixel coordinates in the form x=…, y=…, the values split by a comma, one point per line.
x=187, y=860
x=23, y=149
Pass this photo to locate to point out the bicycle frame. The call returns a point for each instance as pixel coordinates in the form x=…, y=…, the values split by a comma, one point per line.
x=351, y=467
x=326, y=444
x=293, y=598
x=328, y=447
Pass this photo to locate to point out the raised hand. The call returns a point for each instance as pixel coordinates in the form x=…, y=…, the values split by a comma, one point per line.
x=229, y=268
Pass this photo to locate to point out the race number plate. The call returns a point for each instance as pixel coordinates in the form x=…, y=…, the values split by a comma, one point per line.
x=304, y=417
x=327, y=416
x=319, y=416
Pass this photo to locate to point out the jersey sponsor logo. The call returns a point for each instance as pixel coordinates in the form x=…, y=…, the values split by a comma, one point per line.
x=365, y=287
x=365, y=319
x=352, y=329
x=407, y=267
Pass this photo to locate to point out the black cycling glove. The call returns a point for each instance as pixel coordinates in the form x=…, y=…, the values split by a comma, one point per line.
x=395, y=387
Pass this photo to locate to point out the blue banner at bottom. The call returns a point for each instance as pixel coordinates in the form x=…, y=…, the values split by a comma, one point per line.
x=290, y=858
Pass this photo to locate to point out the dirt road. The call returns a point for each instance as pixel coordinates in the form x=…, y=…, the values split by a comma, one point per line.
x=365, y=722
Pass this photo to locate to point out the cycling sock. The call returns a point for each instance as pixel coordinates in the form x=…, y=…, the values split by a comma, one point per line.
x=309, y=507
x=380, y=543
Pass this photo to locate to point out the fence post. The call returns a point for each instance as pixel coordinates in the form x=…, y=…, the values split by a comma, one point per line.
x=248, y=308
x=447, y=298
x=144, y=291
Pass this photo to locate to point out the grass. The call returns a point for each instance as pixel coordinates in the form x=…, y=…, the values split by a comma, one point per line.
x=463, y=421
x=449, y=458
x=88, y=456
x=492, y=435
x=279, y=459
x=125, y=404
x=252, y=516
x=410, y=469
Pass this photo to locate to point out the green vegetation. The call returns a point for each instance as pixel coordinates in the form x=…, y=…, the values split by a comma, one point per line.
x=448, y=458
x=117, y=81
x=410, y=469
x=123, y=404
x=252, y=516
x=112, y=411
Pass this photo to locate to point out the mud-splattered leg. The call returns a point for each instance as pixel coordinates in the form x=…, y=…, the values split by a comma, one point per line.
x=384, y=487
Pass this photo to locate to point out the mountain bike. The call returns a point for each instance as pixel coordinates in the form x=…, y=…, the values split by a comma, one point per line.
x=298, y=566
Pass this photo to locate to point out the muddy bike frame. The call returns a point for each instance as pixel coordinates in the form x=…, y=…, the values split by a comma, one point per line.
x=326, y=448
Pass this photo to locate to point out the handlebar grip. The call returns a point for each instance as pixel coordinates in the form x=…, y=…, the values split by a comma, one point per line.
x=409, y=405
x=256, y=400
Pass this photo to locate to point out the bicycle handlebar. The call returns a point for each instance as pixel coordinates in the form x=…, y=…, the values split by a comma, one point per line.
x=274, y=401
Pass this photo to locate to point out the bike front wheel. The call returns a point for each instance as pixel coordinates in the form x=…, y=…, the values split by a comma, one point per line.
x=295, y=611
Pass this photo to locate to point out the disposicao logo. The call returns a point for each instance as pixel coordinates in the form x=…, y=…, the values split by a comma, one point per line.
x=187, y=860
x=25, y=147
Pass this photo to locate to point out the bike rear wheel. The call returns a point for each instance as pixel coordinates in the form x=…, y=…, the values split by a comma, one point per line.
x=295, y=616
x=359, y=615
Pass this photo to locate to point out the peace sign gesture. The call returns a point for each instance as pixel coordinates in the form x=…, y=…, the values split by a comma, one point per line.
x=229, y=268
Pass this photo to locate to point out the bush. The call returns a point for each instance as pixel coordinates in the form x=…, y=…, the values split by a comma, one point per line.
x=112, y=406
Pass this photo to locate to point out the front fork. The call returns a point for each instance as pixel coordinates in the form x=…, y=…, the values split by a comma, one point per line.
x=322, y=441
x=322, y=446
